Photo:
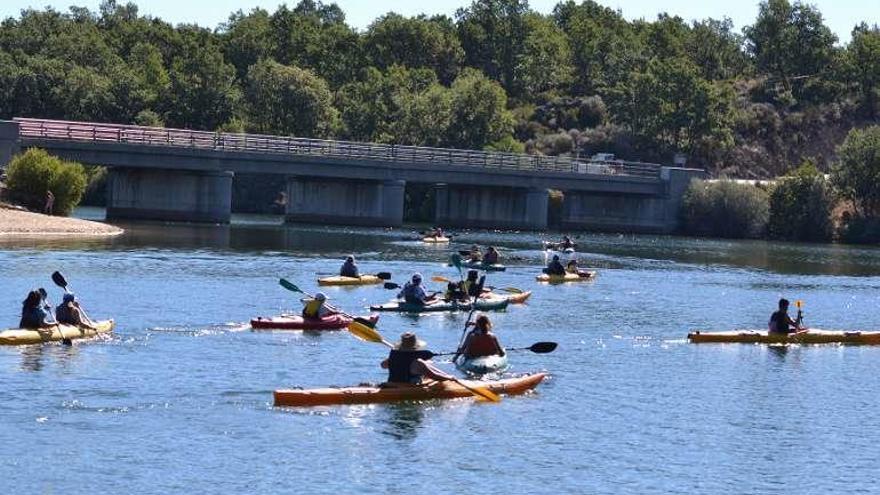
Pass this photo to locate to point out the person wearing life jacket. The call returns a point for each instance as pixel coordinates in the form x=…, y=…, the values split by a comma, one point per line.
x=33, y=312
x=349, y=268
x=491, y=256
x=472, y=285
x=69, y=312
x=315, y=307
x=780, y=322
x=480, y=341
x=566, y=243
x=475, y=255
x=435, y=232
x=455, y=291
x=410, y=362
x=414, y=293
x=555, y=267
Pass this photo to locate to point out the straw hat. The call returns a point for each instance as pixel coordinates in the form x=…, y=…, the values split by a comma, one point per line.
x=409, y=342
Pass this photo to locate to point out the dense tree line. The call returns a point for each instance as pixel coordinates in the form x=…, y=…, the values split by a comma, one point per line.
x=498, y=75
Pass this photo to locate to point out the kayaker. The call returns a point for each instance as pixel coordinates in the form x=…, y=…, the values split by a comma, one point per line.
x=435, y=232
x=475, y=255
x=315, y=307
x=566, y=243
x=414, y=293
x=69, y=312
x=555, y=267
x=409, y=362
x=780, y=322
x=33, y=312
x=480, y=341
x=349, y=268
x=491, y=256
x=455, y=291
x=472, y=285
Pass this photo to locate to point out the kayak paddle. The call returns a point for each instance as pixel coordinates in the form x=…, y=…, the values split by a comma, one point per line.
x=512, y=290
x=455, y=258
x=45, y=295
x=368, y=334
x=537, y=348
x=380, y=275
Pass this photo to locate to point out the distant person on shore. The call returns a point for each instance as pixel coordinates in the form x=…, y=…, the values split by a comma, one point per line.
x=69, y=312
x=555, y=267
x=50, y=203
x=780, y=322
x=409, y=362
x=33, y=314
x=491, y=256
x=316, y=307
x=349, y=268
x=279, y=206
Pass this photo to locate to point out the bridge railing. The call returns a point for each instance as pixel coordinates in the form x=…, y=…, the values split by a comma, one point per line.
x=258, y=143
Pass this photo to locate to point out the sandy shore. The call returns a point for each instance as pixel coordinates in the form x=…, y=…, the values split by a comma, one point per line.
x=23, y=223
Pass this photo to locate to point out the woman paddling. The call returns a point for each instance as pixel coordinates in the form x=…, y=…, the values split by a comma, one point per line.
x=409, y=362
x=480, y=341
x=33, y=312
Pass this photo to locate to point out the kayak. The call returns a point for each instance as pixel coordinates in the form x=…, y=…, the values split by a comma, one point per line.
x=340, y=280
x=482, y=365
x=435, y=240
x=554, y=246
x=810, y=336
x=483, y=304
x=519, y=298
x=23, y=336
x=296, y=322
x=478, y=265
x=401, y=392
x=568, y=277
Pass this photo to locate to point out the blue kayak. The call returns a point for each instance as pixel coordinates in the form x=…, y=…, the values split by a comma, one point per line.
x=490, y=304
x=482, y=365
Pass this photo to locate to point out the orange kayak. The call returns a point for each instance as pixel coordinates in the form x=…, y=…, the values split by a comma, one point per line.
x=402, y=392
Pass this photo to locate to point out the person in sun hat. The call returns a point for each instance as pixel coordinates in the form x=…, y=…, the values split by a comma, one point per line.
x=315, y=307
x=409, y=361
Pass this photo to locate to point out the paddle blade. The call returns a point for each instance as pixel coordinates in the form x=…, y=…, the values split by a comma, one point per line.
x=455, y=259
x=384, y=275
x=799, y=304
x=59, y=280
x=482, y=393
x=438, y=278
x=289, y=286
x=513, y=290
x=364, y=332
x=390, y=285
x=543, y=347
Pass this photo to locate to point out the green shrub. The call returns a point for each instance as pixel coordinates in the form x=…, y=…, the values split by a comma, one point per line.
x=34, y=172
x=857, y=175
x=800, y=207
x=858, y=229
x=724, y=209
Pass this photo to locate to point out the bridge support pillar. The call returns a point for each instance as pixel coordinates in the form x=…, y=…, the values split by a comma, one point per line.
x=345, y=202
x=175, y=195
x=491, y=207
x=8, y=141
x=637, y=213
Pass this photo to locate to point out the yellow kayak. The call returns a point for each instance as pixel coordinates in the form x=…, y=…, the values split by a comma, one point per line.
x=809, y=336
x=435, y=240
x=568, y=277
x=340, y=280
x=22, y=336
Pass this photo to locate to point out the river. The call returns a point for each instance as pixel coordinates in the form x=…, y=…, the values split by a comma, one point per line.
x=180, y=398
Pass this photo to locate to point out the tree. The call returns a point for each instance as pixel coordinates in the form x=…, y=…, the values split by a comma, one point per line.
x=800, y=206
x=479, y=112
x=203, y=93
x=545, y=62
x=863, y=55
x=32, y=173
x=247, y=39
x=857, y=175
x=790, y=42
x=716, y=50
x=289, y=100
x=724, y=208
x=414, y=42
x=493, y=34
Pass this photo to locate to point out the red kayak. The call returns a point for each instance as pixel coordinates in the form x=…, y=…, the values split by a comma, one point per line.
x=296, y=322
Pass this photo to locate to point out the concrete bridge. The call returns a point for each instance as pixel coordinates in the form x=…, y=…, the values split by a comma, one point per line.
x=176, y=174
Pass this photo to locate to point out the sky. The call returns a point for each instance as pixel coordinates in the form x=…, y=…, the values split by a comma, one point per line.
x=840, y=15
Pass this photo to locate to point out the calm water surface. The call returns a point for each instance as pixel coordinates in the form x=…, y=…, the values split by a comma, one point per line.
x=180, y=398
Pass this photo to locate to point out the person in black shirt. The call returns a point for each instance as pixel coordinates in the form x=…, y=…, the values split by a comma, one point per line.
x=409, y=362
x=555, y=267
x=780, y=322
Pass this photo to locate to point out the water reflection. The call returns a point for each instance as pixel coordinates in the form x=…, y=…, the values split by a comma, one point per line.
x=403, y=420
